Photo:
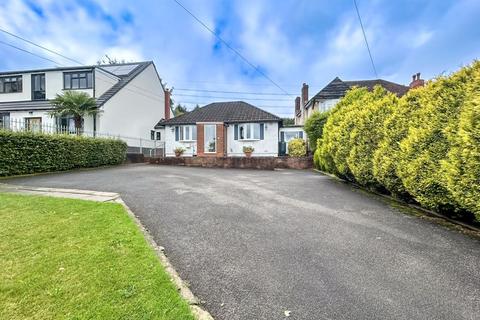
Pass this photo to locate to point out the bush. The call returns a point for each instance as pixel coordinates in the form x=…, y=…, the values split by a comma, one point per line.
x=395, y=129
x=26, y=152
x=335, y=143
x=367, y=133
x=314, y=127
x=297, y=148
x=462, y=166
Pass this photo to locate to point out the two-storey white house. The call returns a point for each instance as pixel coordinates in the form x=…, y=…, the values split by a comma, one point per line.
x=130, y=96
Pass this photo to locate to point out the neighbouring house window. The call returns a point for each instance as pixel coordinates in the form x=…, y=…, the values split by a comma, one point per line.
x=11, y=84
x=4, y=120
x=152, y=135
x=249, y=131
x=159, y=136
x=185, y=133
x=38, y=86
x=78, y=80
x=33, y=124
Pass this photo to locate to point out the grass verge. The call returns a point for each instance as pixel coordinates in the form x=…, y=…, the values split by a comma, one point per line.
x=74, y=259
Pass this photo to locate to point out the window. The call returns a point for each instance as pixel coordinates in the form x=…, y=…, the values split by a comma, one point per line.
x=11, y=84
x=38, y=86
x=210, y=134
x=185, y=133
x=78, y=80
x=289, y=135
x=159, y=136
x=249, y=131
x=4, y=120
x=152, y=135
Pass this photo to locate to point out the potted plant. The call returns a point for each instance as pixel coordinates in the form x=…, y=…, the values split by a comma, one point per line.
x=248, y=151
x=179, y=151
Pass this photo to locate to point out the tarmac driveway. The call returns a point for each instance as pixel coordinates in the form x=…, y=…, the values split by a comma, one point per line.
x=254, y=244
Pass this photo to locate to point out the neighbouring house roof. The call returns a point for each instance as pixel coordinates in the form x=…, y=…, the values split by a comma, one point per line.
x=228, y=112
x=337, y=88
x=125, y=72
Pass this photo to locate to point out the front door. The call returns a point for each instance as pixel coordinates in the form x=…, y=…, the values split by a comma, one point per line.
x=33, y=124
x=210, y=137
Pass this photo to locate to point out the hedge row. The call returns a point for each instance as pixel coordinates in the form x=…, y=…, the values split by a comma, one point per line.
x=424, y=146
x=27, y=152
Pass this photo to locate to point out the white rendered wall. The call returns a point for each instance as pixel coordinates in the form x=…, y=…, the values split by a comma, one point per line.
x=136, y=108
x=267, y=147
x=171, y=144
x=103, y=82
x=19, y=116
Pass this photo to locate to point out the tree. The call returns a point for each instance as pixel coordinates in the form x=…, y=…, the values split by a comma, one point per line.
x=288, y=121
x=106, y=59
x=179, y=110
x=76, y=104
x=196, y=107
x=314, y=127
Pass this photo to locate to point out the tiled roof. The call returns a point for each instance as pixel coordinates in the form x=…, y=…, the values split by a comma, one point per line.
x=25, y=105
x=337, y=88
x=228, y=112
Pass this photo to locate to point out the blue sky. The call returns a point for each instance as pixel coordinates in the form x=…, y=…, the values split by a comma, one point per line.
x=292, y=41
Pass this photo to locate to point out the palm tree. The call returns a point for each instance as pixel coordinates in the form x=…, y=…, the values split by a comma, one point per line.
x=74, y=104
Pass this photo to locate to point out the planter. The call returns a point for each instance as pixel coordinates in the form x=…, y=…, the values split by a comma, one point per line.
x=178, y=154
x=248, y=154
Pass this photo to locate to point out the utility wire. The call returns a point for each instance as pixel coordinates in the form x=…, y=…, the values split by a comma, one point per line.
x=365, y=38
x=233, y=92
x=39, y=46
x=217, y=97
x=231, y=48
x=29, y=52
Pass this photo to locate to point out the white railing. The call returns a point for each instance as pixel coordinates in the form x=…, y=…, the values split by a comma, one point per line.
x=152, y=148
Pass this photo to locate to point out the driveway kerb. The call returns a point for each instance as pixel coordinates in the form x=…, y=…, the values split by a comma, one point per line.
x=185, y=292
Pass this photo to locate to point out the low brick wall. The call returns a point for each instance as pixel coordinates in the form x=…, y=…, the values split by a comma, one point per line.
x=263, y=163
x=136, y=158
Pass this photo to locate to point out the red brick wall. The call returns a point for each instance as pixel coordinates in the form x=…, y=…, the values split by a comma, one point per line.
x=200, y=139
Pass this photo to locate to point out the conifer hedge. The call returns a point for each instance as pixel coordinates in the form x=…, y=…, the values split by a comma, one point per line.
x=424, y=146
x=27, y=152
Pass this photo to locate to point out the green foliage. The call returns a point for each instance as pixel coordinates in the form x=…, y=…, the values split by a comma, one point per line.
x=395, y=129
x=335, y=143
x=297, y=148
x=424, y=146
x=179, y=110
x=27, y=152
x=462, y=165
x=314, y=127
x=288, y=121
x=248, y=149
x=77, y=104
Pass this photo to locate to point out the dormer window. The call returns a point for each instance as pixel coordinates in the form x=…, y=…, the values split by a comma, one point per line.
x=11, y=84
x=78, y=80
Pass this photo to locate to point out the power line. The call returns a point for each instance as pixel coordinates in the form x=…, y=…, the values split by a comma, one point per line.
x=207, y=102
x=365, y=38
x=231, y=48
x=29, y=52
x=233, y=92
x=39, y=46
x=235, y=98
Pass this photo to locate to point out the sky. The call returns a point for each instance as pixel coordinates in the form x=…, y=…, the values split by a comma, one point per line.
x=290, y=41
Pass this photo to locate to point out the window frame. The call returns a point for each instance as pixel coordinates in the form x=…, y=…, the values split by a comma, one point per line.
x=158, y=136
x=249, y=131
x=78, y=78
x=192, y=133
x=18, y=81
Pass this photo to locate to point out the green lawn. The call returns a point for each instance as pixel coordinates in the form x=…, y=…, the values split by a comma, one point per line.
x=73, y=259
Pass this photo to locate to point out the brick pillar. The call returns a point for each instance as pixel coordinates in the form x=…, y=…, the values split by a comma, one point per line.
x=200, y=140
x=220, y=140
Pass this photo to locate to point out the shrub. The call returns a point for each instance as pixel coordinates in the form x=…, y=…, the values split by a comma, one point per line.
x=395, y=129
x=26, y=152
x=462, y=166
x=248, y=149
x=314, y=127
x=367, y=132
x=335, y=143
x=316, y=156
x=297, y=148
x=428, y=141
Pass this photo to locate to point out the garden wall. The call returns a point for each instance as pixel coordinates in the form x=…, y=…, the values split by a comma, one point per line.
x=263, y=163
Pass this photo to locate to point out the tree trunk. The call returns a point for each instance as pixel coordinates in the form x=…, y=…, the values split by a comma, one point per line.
x=78, y=125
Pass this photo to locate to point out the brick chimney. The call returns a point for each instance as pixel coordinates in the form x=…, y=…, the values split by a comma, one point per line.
x=167, y=104
x=297, y=105
x=304, y=94
x=416, y=81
